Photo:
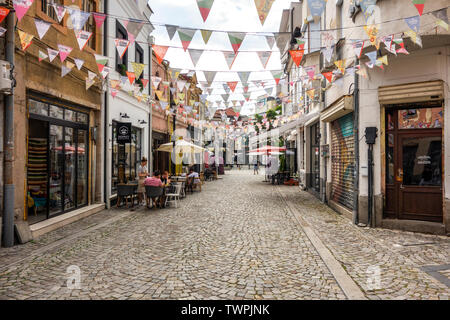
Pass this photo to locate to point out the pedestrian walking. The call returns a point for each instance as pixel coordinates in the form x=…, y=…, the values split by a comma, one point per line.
x=256, y=168
x=142, y=174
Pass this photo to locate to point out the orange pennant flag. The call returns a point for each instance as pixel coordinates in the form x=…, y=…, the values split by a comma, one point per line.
x=328, y=76
x=160, y=52
x=297, y=56
x=232, y=85
x=131, y=76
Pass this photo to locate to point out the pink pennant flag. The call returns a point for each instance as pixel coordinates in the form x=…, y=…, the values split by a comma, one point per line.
x=21, y=7
x=99, y=18
x=64, y=51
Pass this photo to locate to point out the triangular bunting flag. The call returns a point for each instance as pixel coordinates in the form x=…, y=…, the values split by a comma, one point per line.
x=236, y=39
x=60, y=12
x=186, y=36
x=358, y=47
x=133, y=27
x=402, y=49
x=420, y=5
x=79, y=63
x=105, y=72
x=263, y=8
x=64, y=51
x=21, y=7
x=83, y=38
x=99, y=18
x=78, y=18
x=232, y=85
x=442, y=18
x=340, y=64
x=3, y=13
x=52, y=54
x=138, y=68
x=2, y=31
x=121, y=46
x=311, y=93
x=101, y=61
x=89, y=83
x=229, y=58
x=65, y=68
x=282, y=40
x=171, y=30
x=244, y=76
x=277, y=76
x=25, y=39
x=160, y=52
x=41, y=27
x=144, y=82
x=413, y=23
x=225, y=97
x=389, y=43
x=205, y=7
x=297, y=56
x=311, y=72
x=42, y=56
x=114, y=92
x=372, y=56
x=206, y=34
x=264, y=57
x=270, y=41
x=131, y=76
x=181, y=84
x=209, y=75
x=372, y=32
x=195, y=55
x=328, y=76
x=155, y=82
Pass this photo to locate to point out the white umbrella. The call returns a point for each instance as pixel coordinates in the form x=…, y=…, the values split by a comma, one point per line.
x=181, y=146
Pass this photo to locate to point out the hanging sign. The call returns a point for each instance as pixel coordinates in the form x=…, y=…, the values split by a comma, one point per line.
x=123, y=132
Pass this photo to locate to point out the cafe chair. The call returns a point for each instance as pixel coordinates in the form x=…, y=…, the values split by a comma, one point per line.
x=153, y=192
x=174, y=195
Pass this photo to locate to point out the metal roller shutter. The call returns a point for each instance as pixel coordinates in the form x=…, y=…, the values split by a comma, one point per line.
x=343, y=161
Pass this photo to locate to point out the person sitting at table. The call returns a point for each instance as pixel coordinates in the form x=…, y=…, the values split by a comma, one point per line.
x=154, y=181
x=194, y=175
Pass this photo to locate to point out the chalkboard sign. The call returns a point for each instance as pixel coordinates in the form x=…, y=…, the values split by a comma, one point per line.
x=123, y=132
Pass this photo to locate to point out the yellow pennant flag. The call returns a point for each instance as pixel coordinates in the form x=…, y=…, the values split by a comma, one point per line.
x=442, y=23
x=114, y=84
x=311, y=93
x=138, y=68
x=372, y=32
x=181, y=95
x=25, y=39
x=383, y=60
x=159, y=94
x=340, y=64
x=191, y=102
x=414, y=37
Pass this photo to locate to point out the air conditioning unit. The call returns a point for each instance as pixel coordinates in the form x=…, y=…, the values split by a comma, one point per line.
x=5, y=77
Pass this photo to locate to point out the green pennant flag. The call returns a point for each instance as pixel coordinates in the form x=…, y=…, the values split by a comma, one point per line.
x=236, y=39
x=205, y=7
x=186, y=36
x=420, y=5
x=206, y=34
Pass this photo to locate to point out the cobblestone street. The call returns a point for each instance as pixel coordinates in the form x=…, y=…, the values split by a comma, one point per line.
x=240, y=238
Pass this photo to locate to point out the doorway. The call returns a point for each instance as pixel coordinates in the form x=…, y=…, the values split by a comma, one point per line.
x=414, y=160
x=315, y=158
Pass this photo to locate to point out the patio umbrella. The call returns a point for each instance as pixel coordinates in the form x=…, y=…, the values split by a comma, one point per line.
x=181, y=146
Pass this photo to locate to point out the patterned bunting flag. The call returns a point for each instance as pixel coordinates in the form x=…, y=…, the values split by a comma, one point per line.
x=311, y=71
x=99, y=18
x=413, y=23
x=156, y=81
x=66, y=68
x=171, y=30
x=236, y=39
x=358, y=47
x=226, y=88
x=420, y=5
x=121, y=46
x=372, y=32
x=205, y=7
x=441, y=18
x=232, y=85
x=60, y=12
x=186, y=36
x=21, y=7
x=42, y=56
x=79, y=63
x=160, y=52
x=131, y=76
x=3, y=13
x=263, y=8
x=264, y=57
x=414, y=37
x=372, y=56
x=230, y=57
x=105, y=72
x=138, y=68
x=311, y=93
x=83, y=38
x=389, y=43
x=114, y=92
x=297, y=56
x=78, y=18
x=52, y=54
x=41, y=27
x=328, y=76
x=402, y=49
x=25, y=39
x=195, y=55
x=64, y=51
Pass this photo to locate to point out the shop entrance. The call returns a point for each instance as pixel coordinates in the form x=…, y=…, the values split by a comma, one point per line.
x=57, y=174
x=414, y=163
x=315, y=158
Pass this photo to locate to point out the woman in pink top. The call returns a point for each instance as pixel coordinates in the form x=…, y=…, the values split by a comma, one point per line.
x=154, y=181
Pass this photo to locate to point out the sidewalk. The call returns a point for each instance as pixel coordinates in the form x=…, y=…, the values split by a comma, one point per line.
x=403, y=258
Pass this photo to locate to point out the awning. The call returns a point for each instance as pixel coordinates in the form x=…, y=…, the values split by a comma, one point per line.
x=338, y=109
x=412, y=92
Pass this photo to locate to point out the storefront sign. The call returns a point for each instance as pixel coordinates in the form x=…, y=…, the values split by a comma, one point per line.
x=123, y=132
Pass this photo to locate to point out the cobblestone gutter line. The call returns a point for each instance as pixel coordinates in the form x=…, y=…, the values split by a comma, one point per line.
x=395, y=253
x=348, y=286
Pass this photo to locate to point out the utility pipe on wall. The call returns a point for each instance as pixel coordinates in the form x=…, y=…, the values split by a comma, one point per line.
x=105, y=112
x=356, y=142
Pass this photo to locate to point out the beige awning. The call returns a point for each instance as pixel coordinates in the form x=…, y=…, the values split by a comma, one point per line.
x=338, y=109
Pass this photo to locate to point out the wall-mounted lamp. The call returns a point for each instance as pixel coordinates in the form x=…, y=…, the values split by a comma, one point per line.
x=124, y=115
x=142, y=122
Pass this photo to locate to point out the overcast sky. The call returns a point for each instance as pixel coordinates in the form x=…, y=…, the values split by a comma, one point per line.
x=225, y=15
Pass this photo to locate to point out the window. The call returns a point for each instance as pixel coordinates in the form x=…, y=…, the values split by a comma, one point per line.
x=121, y=63
x=139, y=57
x=90, y=6
x=47, y=8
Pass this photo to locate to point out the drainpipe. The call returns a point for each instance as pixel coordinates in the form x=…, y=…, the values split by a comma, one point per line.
x=150, y=114
x=356, y=142
x=105, y=120
x=8, y=175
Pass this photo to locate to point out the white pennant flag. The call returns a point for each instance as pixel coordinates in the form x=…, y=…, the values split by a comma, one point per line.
x=91, y=75
x=264, y=57
x=230, y=56
x=83, y=38
x=171, y=30
x=52, y=54
x=195, y=55
x=105, y=72
x=78, y=18
x=60, y=12
x=121, y=46
x=270, y=41
x=389, y=44
x=79, y=63
x=209, y=75
x=358, y=47
x=156, y=81
x=41, y=27
x=181, y=84
x=65, y=68
x=244, y=76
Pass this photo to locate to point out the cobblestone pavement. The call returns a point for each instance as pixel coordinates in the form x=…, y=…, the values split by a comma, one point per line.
x=237, y=239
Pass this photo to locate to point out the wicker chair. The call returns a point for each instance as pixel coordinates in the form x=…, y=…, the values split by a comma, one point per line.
x=153, y=192
x=126, y=191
